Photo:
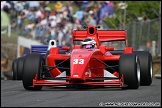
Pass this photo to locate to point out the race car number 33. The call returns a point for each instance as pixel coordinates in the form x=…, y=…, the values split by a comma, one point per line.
x=78, y=61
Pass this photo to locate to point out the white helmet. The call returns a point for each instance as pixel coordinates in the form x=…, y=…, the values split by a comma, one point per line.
x=88, y=43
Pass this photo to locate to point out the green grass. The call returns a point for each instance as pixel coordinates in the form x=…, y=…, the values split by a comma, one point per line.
x=52, y=6
x=12, y=39
x=75, y=8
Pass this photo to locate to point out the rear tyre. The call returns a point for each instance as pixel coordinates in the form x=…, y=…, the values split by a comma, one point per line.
x=129, y=67
x=145, y=59
x=14, y=69
x=20, y=63
x=32, y=66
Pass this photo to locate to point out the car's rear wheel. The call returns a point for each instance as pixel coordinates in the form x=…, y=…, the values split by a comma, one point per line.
x=129, y=67
x=20, y=63
x=145, y=59
x=32, y=66
x=14, y=69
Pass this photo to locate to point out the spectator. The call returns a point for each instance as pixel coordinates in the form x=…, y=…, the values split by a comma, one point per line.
x=70, y=9
x=58, y=6
x=5, y=6
x=110, y=8
x=96, y=14
x=29, y=27
x=39, y=33
x=56, y=24
x=20, y=20
x=69, y=42
x=53, y=21
x=38, y=14
x=92, y=21
x=85, y=4
x=52, y=33
x=30, y=15
x=43, y=4
x=44, y=22
x=80, y=14
x=18, y=7
x=33, y=5
x=78, y=3
x=102, y=11
x=47, y=11
x=13, y=16
x=60, y=36
x=3, y=3
x=52, y=13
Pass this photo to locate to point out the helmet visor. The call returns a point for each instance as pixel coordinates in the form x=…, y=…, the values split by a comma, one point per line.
x=88, y=46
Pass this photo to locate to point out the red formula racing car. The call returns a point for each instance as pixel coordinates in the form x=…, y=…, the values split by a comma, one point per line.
x=99, y=66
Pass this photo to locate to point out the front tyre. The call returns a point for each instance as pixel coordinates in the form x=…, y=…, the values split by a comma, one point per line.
x=32, y=66
x=129, y=67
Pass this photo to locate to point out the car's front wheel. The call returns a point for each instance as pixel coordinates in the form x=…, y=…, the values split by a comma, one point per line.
x=129, y=67
x=32, y=66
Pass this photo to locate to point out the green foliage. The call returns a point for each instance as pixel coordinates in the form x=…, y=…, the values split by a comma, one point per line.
x=135, y=9
x=52, y=6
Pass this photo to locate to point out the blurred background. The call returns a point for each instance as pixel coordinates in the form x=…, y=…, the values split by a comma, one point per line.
x=25, y=23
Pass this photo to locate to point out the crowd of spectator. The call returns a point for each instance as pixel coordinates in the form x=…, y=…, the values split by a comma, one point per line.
x=44, y=23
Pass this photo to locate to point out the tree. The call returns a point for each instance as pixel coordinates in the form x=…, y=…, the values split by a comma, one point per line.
x=135, y=9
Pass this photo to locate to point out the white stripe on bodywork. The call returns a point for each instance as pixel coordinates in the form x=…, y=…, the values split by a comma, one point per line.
x=108, y=74
x=63, y=74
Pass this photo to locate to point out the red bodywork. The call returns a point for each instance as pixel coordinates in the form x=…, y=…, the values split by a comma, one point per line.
x=84, y=64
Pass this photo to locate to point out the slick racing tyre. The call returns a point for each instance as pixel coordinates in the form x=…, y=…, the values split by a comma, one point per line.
x=145, y=59
x=129, y=67
x=32, y=66
x=20, y=63
x=14, y=69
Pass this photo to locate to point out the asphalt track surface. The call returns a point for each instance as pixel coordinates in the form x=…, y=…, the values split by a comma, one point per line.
x=14, y=95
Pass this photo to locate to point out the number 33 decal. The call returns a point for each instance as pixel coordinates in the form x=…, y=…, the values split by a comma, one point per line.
x=78, y=61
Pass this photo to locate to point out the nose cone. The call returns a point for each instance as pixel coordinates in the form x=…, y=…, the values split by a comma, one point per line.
x=79, y=64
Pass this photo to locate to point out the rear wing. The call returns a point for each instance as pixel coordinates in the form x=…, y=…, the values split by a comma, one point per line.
x=42, y=49
x=118, y=35
x=103, y=35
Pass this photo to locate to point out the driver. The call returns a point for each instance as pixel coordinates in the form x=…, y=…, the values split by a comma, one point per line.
x=89, y=43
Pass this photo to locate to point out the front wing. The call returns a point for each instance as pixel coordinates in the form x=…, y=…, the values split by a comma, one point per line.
x=63, y=81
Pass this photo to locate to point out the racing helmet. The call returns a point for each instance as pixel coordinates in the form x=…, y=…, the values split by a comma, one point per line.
x=88, y=43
